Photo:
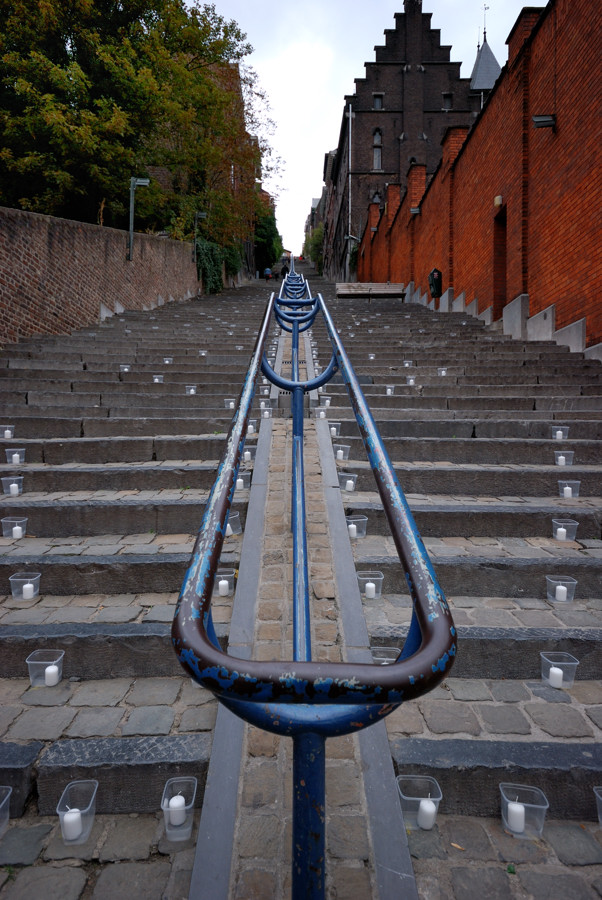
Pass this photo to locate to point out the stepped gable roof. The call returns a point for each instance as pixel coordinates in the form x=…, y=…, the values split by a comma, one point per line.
x=485, y=70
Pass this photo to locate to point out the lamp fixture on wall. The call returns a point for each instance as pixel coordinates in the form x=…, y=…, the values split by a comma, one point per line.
x=547, y=121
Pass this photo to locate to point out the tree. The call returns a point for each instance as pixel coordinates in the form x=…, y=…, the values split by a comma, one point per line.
x=94, y=92
x=314, y=247
x=268, y=243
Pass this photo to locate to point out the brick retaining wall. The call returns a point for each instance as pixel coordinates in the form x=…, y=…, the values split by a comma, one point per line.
x=55, y=273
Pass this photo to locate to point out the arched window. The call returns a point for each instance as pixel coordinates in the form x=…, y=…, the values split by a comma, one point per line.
x=377, y=149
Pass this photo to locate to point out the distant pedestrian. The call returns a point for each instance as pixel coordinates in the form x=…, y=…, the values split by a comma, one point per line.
x=267, y=273
x=284, y=271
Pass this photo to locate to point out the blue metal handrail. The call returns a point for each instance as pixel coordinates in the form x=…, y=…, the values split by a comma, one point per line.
x=306, y=699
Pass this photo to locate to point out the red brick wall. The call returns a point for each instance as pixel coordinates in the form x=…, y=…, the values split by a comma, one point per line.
x=54, y=273
x=548, y=180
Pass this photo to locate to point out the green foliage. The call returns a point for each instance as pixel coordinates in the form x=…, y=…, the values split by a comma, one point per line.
x=209, y=259
x=314, y=247
x=93, y=92
x=268, y=243
x=232, y=261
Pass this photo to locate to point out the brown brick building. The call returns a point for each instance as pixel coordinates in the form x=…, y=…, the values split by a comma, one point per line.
x=512, y=215
x=410, y=95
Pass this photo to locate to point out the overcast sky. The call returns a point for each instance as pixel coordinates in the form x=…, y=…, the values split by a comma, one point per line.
x=307, y=54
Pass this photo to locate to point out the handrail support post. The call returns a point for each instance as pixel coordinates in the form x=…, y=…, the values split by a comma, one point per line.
x=309, y=815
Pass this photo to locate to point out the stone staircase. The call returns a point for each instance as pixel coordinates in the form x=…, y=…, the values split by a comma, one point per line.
x=116, y=474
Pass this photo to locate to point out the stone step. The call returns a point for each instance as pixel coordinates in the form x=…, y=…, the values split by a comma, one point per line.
x=120, y=449
x=117, y=477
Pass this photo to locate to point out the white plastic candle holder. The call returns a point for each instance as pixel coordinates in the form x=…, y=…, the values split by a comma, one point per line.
x=411, y=380
x=564, y=457
x=265, y=392
x=569, y=490
x=157, y=379
x=191, y=389
x=168, y=360
x=420, y=796
x=248, y=454
x=442, y=370
x=341, y=451
x=224, y=583
x=347, y=481
x=45, y=667
x=76, y=810
x=560, y=588
x=370, y=584
x=389, y=390
x=523, y=810
x=243, y=480
x=560, y=432
x=252, y=426
x=229, y=402
x=558, y=669
x=25, y=585
x=5, y=792
x=356, y=526
x=266, y=413
x=7, y=432
x=325, y=400
x=203, y=354
x=15, y=455
x=125, y=367
x=408, y=363
x=597, y=794
x=13, y=486
x=239, y=347
x=177, y=804
x=335, y=429
x=233, y=525
x=384, y=656
x=14, y=527
x=564, y=529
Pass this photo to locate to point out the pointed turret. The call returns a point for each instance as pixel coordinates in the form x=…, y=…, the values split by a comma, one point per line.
x=486, y=68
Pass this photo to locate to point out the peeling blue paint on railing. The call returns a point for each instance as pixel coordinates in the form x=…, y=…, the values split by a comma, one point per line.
x=303, y=698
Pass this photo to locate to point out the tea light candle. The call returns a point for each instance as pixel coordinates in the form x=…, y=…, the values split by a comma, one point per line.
x=8, y=433
x=240, y=484
x=16, y=458
x=370, y=590
x=247, y=456
x=333, y=432
x=352, y=529
x=560, y=592
x=349, y=485
x=561, y=534
x=427, y=813
x=51, y=675
x=72, y=825
x=28, y=591
x=515, y=815
x=558, y=435
x=228, y=530
x=17, y=532
x=223, y=587
x=177, y=810
x=14, y=489
x=340, y=455
x=567, y=492
x=561, y=461
x=555, y=677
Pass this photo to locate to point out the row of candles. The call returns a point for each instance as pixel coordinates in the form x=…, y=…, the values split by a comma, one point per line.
x=24, y=585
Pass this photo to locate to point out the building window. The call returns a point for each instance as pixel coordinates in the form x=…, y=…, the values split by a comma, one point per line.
x=448, y=101
x=377, y=101
x=377, y=149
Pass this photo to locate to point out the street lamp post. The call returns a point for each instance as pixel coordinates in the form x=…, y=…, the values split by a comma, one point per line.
x=134, y=183
x=197, y=216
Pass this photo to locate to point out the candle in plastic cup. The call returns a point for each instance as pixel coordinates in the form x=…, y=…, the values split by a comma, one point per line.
x=389, y=392
x=352, y=529
x=14, y=489
x=231, y=404
x=28, y=591
x=327, y=402
x=333, y=432
x=177, y=810
x=370, y=590
x=16, y=458
x=223, y=587
x=567, y=492
x=266, y=414
x=247, y=456
x=250, y=429
x=560, y=593
x=51, y=675
x=228, y=530
x=240, y=484
x=7, y=433
x=516, y=817
x=340, y=454
x=561, y=534
x=72, y=825
x=427, y=813
x=17, y=532
x=561, y=460
x=322, y=414
x=559, y=435
x=555, y=677
x=261, y=405
x=349, y=484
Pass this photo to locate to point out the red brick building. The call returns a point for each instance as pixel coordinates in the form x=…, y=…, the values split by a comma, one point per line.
x=512, y=215
x=410, y=95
